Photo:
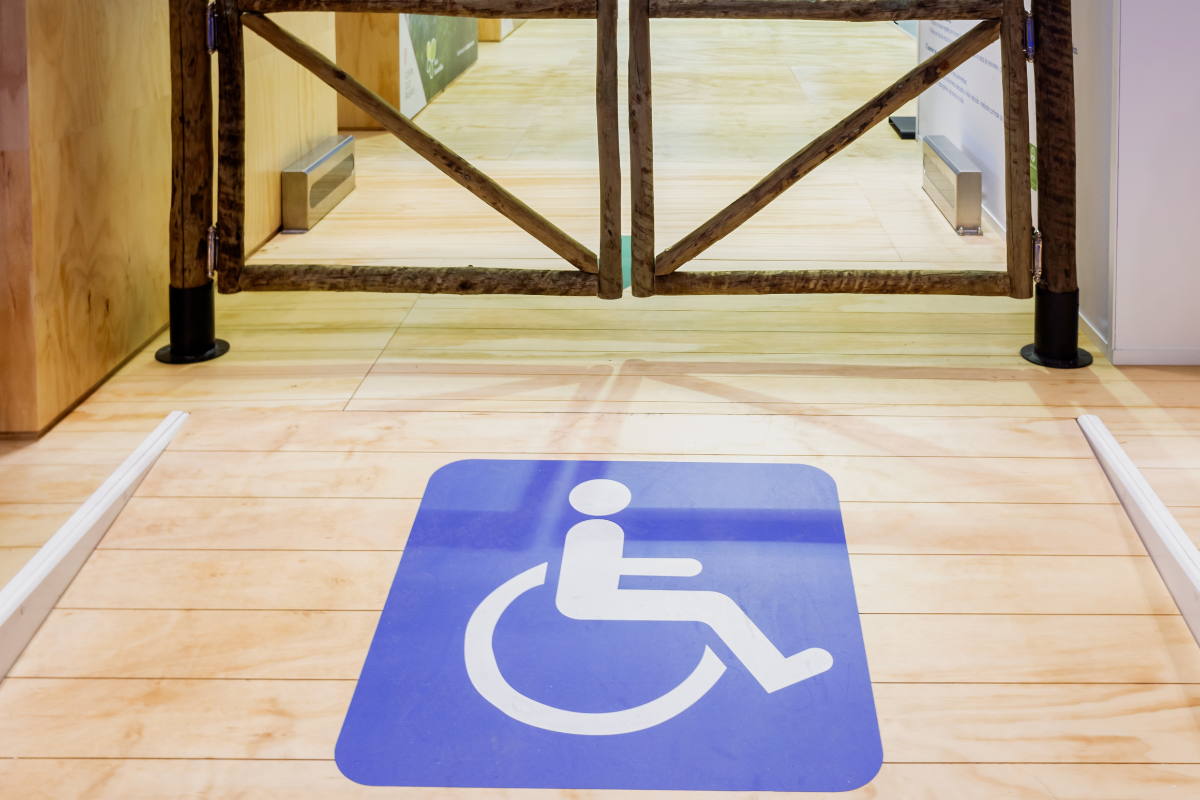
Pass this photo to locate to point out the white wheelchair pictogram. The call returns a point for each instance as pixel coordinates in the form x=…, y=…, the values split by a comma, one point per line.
x=592, y=566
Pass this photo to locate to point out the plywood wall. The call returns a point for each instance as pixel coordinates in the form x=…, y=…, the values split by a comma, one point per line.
x=99, y=128
x=85, y=184
x=288, y=113
x=18, y=375
x=368, y=47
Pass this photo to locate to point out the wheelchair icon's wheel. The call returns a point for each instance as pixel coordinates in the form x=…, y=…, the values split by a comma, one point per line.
x=485, y=675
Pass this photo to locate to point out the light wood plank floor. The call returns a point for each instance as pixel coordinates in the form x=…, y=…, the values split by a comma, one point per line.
x=1021, y=643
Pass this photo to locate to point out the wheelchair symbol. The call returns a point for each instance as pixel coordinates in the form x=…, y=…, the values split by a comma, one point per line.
x=592, y=566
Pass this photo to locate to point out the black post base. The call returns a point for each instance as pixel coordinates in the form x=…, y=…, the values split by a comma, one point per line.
x=220, y=348
x=193, y=327
x=1056, y=332
x=1082, y=359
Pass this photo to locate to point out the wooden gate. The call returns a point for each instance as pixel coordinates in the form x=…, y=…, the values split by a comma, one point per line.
x=201, y=248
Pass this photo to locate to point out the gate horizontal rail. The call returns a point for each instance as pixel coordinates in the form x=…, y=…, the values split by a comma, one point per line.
x=836, y=10
x=601, y=274
x=417, y=280
x=829, y=10
x=980, y=283
x=484, y=9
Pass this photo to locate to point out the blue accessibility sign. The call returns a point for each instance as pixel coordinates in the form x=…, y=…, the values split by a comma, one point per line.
x=619, y=625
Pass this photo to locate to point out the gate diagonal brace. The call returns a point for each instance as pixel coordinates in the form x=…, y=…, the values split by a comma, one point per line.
x=827, y=145
x=433, y=151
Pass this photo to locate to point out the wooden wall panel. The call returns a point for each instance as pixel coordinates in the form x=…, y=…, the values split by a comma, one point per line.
x=99, y=115
x=288, y=113
x=18, y=392
x=368, y=47
x=85, y=184
x=494, y=30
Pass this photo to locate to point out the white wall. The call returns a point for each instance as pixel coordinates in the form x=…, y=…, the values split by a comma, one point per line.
x=1093, y=29
x=1156, y=286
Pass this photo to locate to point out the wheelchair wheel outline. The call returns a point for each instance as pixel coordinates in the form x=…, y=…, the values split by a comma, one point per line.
x=487, y=679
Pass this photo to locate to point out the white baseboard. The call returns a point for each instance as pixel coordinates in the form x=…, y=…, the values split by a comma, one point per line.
x=1098, y=339
x=28, y=598
x=997, y=224
x=1156, y=357
x=1173, y=553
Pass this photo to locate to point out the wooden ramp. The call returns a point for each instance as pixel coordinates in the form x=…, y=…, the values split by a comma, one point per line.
x=1020, y=642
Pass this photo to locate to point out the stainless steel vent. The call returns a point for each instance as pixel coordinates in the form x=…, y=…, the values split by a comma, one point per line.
x=317, y=182
x=954, y=184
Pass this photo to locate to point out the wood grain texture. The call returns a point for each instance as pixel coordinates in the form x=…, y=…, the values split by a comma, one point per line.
x=380, y=475
x=231, y=147
x=1074, y=723
x=832, y=10
x=1017, y=192
x=150, y=523
x=641, y=151
x=192, y=126
x=12, y=559
x=245, y=579
x=980, y=283
x=50, y=484
x=368, y=47
x=156, y=719
x=144, y=780
x=638, y=317
x=862, y=393
x=721, y=343
x=1054, y=96
x=153, y=523
x=425, y=280
x=261, y=719
x=446, y=160
x=483, y=9
x=359, y=581
x=31, y=524
x=84, y=198
x=827, y=145
x=182, y=779
x=492, y=30
x=331, y=645
x=211, y=645
x=649, y=434
x=608, y=129
x=18, y=358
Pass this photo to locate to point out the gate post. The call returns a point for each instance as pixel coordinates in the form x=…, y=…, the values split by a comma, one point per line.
x=1056, y=303
x=193, y=238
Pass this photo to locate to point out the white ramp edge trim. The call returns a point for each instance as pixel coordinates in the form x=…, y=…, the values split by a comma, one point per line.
x=1173, y=553
x=29, y=597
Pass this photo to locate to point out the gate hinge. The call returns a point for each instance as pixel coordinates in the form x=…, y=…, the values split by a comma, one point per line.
x=1030, y=39
x=212, y=251
x=1035, y=265
x=210, y=27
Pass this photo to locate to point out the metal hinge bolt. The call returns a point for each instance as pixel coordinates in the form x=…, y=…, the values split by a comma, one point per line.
x=212, y=251
x=1030, y=39
x=210, y=27
x=1036, y=265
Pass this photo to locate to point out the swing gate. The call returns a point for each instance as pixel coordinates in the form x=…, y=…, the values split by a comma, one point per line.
x=201, y=249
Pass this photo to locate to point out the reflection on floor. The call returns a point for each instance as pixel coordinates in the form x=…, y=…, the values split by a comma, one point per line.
x=1020, y=641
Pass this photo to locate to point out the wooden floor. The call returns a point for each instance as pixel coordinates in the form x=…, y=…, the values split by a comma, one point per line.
x=1020, y=641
